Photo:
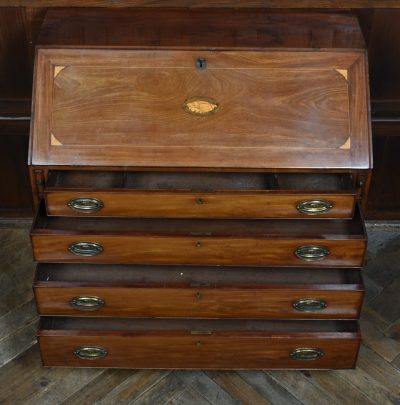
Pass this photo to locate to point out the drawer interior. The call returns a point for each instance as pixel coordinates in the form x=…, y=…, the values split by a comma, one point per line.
x=279, y=228
x=191, y=276
x=190, y=325
x=197, y=181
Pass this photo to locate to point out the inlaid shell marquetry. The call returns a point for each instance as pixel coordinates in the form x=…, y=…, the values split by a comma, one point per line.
x=200, y=106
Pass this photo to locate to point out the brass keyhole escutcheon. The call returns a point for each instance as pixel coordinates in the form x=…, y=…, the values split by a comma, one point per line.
x=201, y=63
x=199, y=343
x=198, y=295
x=198, y=244
x=200, y=201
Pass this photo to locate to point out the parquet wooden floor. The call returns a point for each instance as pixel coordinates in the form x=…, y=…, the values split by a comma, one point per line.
x=23, y=380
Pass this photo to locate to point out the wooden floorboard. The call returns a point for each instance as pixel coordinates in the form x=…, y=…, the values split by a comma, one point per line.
x=208, y=388
x=237, y=387
x=23, y=380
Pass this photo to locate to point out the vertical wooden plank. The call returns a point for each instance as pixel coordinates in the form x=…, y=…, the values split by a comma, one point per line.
x=15, y=74
x=15, y=190
x=384, y=53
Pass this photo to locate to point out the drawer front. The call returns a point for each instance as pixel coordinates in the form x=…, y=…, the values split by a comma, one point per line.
x=196, y=250
x=283, y=302
x=197, y=205
x=160, y=350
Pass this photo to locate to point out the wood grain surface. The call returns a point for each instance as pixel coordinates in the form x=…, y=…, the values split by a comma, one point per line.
x=202, y=302
x=200, y=205
x=191, y=241
x=197, y=250
x=272, y=109
x=221, y=349
x=22, y=378
x=221, y=28
x=199, y=194
x=193, y=291
x=208, y=3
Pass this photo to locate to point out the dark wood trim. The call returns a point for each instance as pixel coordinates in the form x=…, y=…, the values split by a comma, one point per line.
x=280, y=4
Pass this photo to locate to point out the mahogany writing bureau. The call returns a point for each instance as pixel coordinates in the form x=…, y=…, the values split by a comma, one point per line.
x=198, y=176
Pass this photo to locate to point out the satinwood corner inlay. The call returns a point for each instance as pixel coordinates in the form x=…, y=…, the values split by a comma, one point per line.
x=57, y=70
x=55, y=141
x=344, y=73
x=347, y=144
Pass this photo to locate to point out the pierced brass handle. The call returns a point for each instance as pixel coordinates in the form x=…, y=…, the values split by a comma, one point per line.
x=85, y=248
x=85, y=204
x=314, y=207
x=87, y=303
x=309, y=304
x=90, y=352
x=306, y=353
x=310, y=253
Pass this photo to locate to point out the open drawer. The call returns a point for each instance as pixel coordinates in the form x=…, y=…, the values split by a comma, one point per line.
x=204, y=344
x=200, y=194
x=267, y=242
x=193, y=291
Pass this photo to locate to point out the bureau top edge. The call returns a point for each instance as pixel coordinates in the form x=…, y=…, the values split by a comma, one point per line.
x=202, y=27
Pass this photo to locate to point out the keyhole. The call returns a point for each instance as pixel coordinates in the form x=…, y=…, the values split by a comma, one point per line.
x=201, y=63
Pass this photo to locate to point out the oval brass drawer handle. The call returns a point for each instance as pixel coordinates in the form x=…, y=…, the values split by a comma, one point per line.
x=87, y=303
x=314, y=207
x=309, y=304
x=310, y=253
x=85, y=248
x=90, y=352
x=85, y=204
x=306, y=353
